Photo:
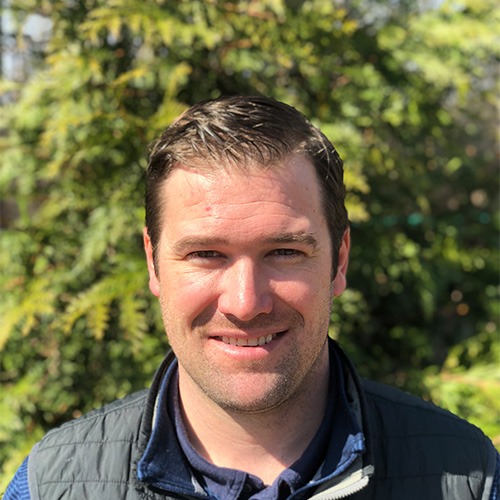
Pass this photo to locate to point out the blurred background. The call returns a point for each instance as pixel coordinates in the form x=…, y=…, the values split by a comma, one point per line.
x=406, y=90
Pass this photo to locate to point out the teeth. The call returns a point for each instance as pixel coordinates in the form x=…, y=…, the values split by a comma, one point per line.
x=265, y=339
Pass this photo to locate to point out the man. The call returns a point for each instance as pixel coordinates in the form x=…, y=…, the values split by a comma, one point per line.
x=247, y=244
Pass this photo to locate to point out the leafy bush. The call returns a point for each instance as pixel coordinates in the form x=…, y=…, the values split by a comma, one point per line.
x=407, y=96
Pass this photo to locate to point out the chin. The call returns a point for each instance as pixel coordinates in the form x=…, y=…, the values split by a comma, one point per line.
x=253, y=401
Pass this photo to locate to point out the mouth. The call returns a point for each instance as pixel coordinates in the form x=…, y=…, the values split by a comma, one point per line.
x=246, y=342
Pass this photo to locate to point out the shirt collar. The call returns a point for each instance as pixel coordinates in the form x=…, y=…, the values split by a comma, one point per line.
x=230, y=483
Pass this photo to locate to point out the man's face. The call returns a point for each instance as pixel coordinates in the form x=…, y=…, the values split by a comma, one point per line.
x=244, y=281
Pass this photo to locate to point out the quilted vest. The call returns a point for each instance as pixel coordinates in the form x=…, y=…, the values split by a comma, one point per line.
x=414, y=451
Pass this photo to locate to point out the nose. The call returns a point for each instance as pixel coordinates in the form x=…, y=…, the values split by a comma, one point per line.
x=245, y=291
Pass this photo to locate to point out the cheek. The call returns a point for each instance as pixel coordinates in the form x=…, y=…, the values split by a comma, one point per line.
x=306, y=296
x=185, y=296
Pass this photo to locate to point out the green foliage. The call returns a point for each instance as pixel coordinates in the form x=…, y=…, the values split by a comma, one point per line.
x=469, y=382
x=407, y=96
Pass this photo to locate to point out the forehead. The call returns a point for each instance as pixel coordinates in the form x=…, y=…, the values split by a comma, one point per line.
x=290, y=177
x=290, y=188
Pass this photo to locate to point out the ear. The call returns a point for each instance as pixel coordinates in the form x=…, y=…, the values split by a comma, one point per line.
x=154, y=282
x=339, y=282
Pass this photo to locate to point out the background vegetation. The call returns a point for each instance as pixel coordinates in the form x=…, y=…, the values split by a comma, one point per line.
x=405, y=90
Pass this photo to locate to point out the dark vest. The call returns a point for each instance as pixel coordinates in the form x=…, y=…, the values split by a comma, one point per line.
x=414, y=451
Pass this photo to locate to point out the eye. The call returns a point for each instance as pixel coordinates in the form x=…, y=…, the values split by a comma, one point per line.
x=287, y=252
x=204, y=254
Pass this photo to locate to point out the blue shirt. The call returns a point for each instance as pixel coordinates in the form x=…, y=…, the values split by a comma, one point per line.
x=229, y=483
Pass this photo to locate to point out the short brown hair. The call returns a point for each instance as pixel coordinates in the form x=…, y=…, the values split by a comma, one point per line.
x=241, y=129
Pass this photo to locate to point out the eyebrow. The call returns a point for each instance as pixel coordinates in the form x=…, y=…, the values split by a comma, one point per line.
x=300, y=238
x=278, y=239
x=198, y=242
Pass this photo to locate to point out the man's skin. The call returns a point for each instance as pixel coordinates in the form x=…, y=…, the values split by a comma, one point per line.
x=245, y=258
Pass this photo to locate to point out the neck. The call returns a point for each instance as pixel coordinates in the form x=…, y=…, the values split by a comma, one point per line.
x=261, y=443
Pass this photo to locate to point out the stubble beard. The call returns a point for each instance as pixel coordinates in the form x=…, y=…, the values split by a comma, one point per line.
x=284, y=383
x=282, y=393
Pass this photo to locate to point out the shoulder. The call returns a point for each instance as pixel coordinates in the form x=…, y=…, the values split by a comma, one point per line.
x=117, y=414
x=413, y=437
x=116, y=421
x=405, y=413
x=90, y=450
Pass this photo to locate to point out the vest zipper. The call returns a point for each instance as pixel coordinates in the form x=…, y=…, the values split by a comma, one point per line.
x=353, y=484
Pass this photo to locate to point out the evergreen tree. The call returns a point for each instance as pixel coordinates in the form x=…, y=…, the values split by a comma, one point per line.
x=407, y=96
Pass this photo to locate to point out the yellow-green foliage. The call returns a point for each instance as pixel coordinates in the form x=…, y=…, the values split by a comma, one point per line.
x=469, y=382
x=407, y=96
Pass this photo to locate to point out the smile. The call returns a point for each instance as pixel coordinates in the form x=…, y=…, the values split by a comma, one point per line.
x=239, y=342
